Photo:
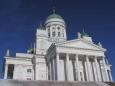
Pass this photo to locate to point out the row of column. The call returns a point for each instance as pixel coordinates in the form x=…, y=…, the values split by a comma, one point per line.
x=98, y=73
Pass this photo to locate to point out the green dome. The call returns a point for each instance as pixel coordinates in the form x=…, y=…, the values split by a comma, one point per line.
x=54, y=16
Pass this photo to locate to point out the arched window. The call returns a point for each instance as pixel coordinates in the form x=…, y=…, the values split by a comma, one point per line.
x=58, y=34
x=63, y=34
x=58, y=28
x=53, y=34
x=48, y=32
x=53, y=28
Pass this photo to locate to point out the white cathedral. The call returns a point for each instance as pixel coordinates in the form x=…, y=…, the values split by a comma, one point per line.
x=56, y=58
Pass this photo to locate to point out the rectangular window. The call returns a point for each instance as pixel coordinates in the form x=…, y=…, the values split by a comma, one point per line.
x=29, y=79
x=29, y=70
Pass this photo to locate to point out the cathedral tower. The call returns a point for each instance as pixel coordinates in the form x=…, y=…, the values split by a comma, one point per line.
x=56, y=28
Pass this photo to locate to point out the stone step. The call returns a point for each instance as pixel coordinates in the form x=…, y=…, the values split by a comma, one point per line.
x=48, y=83
x=111, y=83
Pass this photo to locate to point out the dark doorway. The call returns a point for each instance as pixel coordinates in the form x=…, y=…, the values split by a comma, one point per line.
x=10, y=71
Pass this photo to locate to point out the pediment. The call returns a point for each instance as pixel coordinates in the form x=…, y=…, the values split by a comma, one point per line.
x=83, y=44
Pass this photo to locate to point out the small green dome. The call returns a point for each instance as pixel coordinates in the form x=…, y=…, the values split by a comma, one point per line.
x=54, y=15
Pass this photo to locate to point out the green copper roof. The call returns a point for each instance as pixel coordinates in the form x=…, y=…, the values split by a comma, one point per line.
x=84, y=34
x=54, y=15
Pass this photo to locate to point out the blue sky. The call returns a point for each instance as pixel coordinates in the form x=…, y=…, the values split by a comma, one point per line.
x=19, y=20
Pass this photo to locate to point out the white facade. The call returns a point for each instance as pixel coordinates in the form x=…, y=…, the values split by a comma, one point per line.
x=56, y=58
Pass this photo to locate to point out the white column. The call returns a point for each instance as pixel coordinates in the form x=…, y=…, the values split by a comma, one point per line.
x=57, y=67
x=6, y=71
x=101, y=70
x=88, y=68
x=96, y=70
x=105, y=69
x=110, y=76
x=77, y=68
x=83, y=76
x=67, y=66
x=32, y=71
x=93, y=70
x=47, y=72
x=53, y=69
x=50, y=71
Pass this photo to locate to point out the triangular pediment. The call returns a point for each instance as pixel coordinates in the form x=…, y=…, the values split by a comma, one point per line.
x=80, y=43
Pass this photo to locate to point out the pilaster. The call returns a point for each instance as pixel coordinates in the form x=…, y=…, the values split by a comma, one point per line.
x=6, y=71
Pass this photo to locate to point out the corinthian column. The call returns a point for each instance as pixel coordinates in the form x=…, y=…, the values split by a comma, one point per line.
x=50, y=71
x=88, y=68
x=105, y=70
x=53, y=68
x=67, y=66
x=110, y=76
x=96, y=70
x=57, y=67
x=77, y=68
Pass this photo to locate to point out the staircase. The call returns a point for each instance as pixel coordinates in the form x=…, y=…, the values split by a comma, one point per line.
x=48, y=83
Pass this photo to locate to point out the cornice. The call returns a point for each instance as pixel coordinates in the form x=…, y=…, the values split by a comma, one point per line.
x=75, y=48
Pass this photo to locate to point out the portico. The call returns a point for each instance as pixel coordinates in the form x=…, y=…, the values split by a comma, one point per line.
x=68, y=64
